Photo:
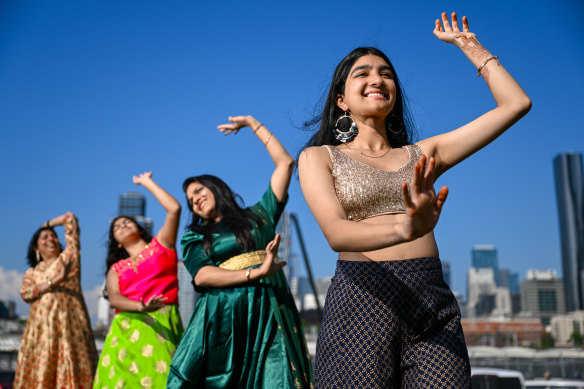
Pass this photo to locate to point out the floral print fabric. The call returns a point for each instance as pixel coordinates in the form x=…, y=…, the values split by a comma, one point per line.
x=57, y=349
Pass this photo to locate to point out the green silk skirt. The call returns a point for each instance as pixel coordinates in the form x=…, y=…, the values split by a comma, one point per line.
x=243, y=337
x=138, y=349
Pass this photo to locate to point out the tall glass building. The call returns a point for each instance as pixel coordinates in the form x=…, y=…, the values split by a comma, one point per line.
x=570, y=196
x=485, y=257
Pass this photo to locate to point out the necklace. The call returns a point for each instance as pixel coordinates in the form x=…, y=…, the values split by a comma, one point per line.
x=376, y=156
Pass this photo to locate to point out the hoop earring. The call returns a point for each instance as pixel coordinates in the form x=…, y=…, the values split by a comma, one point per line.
x=38, y=256
x=396, y=135
x=345, y=131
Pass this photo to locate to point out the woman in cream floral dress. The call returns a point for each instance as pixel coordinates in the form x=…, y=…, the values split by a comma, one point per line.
x=57, y=348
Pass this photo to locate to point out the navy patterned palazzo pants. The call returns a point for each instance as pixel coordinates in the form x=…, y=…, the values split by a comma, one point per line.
x=391, y=324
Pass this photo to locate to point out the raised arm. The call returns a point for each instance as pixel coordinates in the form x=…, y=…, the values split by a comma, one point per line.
x=512, y=102
x=282, y=159
x=71, y=224
x=423, y=207
x=168, y=232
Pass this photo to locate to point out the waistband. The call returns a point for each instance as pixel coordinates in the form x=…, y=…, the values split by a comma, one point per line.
x=243, y=261
x=401, y=265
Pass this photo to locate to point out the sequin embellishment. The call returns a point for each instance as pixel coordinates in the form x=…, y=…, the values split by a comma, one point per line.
x=365, y=191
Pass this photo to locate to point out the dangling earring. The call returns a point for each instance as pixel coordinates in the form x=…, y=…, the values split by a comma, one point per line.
x=38, y=256
x=345, y=128
x=396, y=135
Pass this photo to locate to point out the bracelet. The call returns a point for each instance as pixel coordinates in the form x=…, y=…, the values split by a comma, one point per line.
x=257, y=128
x=247, y=274
x=268, y=139
x=49, y=223
x=485, y=62
x=50, y=283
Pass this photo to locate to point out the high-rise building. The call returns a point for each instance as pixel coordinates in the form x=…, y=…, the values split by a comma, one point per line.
x=134, y=205
x=510, y=280
x=186, y=293
x=481, y=291
x=484, y=257
x=542, y=295
x=446, y=272
x=569, y=179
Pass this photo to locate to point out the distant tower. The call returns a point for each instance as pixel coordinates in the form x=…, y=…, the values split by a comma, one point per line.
x=485, y=257
x=446, y=272
x=134, y=205
x=570, y=197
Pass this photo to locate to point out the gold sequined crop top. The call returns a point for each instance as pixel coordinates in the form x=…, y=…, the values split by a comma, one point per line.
x=365, y=191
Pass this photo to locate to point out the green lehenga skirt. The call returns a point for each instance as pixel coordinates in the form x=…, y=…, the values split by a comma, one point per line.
x=138, y=349
x=243, y=337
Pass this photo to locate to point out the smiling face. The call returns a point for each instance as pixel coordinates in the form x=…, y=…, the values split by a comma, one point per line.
x=201, y=200
x=48, y=244
x=125, y=230
x=370, y=90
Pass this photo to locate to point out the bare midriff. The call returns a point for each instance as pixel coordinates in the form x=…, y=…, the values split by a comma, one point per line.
x=420, y=248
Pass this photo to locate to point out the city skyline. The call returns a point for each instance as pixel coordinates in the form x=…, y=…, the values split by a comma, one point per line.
x=93, y=94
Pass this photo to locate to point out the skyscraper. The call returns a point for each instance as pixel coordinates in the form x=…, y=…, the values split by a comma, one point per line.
x=570, y=196
x=485, y=257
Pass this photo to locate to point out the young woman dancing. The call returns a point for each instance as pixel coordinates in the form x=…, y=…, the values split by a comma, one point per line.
x=57, y=349
x=245, y=331
x=142, y=286
x=389, y=318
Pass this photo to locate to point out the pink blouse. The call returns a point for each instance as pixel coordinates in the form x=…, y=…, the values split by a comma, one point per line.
x=153, y=273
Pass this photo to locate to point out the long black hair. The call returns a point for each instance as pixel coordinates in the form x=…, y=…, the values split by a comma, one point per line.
x=115, y=251
x=236, y=218
x=399, y=124
x=33, y=245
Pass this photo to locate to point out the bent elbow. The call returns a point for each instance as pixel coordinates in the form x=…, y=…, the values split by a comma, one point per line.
x=335, y=244
x=175, y=209
x=525, y=106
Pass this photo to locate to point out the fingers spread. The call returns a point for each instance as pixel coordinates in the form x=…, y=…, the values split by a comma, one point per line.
x=445, y=22
x=465, y=24
x=441, y=198
x=406, y=195
x=437, y=27
x=455, y=23
x=429, y=177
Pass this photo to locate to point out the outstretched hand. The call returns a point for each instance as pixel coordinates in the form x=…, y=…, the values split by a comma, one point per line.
x=448, y=34
x=271, y=264
x=423, y=205
x=141, y=178
x=154, y=303
x=237, y=123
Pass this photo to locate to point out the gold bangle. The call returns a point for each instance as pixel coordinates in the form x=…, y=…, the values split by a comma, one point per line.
x=247, y=274
x=485, y=62
x=257, y=128
x=268, y=139
x=50, y=283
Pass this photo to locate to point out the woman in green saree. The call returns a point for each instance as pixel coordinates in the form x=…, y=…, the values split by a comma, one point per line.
x=245, y=331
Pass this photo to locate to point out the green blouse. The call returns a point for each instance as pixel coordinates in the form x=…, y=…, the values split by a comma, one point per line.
x=224, y=245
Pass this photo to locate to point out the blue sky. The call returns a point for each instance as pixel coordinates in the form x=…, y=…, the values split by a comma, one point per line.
x=92, y=92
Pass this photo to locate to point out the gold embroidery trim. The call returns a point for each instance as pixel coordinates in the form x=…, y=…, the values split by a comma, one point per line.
x=243, y=261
